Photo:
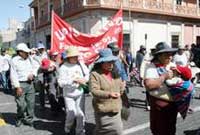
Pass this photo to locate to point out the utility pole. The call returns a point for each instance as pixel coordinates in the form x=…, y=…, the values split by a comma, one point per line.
x=145, y=38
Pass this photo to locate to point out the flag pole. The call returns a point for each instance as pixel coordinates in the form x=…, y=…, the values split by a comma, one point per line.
x=52, y=19
x=129, y=11
x=121, y=4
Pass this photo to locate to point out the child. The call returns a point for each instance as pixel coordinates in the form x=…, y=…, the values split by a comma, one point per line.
x=181, y=88
x=48, y=68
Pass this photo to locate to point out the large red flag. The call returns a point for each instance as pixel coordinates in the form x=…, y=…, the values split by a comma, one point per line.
x=63, y=35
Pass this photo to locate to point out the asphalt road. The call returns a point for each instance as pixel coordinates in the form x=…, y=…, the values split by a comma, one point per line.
x=137, y=124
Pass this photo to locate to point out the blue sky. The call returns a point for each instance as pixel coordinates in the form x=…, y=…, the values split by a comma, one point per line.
x=17, y=9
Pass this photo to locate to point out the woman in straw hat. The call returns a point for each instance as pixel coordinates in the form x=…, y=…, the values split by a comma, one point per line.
x=71, y=75
x=163, y=112
x=106, y=88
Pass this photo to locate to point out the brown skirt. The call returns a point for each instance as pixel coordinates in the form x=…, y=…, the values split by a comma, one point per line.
x=163, y=115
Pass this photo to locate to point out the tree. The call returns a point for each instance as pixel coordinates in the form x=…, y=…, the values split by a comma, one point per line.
x=1, y=41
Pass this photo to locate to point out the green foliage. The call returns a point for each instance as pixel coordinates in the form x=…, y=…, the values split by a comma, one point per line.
x=11, y=51
x=1, y=44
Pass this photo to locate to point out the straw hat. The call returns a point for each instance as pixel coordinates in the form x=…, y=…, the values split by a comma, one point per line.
x=72, y=52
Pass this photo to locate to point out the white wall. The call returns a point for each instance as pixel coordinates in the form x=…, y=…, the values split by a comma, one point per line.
x=156, y=32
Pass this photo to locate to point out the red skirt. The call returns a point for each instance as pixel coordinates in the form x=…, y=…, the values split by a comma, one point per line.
x=163, y=115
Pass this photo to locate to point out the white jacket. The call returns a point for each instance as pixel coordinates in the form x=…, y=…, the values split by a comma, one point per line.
x=67, y=73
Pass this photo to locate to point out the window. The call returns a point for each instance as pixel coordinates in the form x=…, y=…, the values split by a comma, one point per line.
x=126, y=40
x=199, y=3
x=50, y=7
x=178, y=2
x=175, y=41
x=65, y=2
x=42, y=12
x=48, y=41
x=198, y=40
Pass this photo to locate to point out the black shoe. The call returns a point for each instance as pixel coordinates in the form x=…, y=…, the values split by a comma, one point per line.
x=18, y=123
x=28, y=123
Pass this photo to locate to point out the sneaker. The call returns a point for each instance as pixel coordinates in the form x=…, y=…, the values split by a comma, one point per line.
x=190, y=110
x=148, y=108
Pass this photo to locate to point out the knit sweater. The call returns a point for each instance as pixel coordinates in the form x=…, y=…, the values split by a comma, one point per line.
x=100, y=88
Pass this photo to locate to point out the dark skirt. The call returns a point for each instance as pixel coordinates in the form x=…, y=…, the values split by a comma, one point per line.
x=163, y=115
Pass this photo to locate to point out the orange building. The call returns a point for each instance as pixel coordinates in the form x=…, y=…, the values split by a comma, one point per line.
x=146, y=22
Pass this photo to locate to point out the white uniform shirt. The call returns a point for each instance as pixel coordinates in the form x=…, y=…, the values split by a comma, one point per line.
x=4, y=64
x=21, y=69
x=67, y=73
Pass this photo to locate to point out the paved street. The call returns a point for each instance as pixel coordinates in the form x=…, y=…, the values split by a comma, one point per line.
x=138, y=123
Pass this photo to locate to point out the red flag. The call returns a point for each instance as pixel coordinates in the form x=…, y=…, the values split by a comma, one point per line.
x=64, y=35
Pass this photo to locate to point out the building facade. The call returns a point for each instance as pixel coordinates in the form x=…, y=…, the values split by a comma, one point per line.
x=27, y=34
x=9, y=35
x=145, y=22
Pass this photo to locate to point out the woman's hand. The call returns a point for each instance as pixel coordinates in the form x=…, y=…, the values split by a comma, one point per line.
x=168, y=75
x=80, y=81
x=115, y=95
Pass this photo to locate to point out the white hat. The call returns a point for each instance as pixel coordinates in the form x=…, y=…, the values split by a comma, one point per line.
x=40, y=46
x=22, y=47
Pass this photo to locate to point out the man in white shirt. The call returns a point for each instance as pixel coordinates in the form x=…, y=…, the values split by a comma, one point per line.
x=22, y=76
x=4, y=71
x=180, y=57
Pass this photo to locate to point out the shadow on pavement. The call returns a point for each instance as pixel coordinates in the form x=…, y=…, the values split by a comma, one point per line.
x=45, y=112
x=138, y=103
x=54, y=123
x=89, y=127
x=192, y=132
x=56, y=128
x=9, y=117
x=8, y=91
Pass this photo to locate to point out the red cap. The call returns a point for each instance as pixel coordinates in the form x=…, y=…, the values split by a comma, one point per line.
x=53, y=53
x=185, y=71
x=45, y=63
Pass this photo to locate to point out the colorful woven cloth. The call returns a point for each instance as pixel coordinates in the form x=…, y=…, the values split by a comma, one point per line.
x=182, y=94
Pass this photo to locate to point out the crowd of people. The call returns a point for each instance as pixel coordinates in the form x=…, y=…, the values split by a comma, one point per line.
x=164, y=72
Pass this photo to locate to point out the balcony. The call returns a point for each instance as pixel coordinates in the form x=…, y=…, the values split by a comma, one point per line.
x=72, y=7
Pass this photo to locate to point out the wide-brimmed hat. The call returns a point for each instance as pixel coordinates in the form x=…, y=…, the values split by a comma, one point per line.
x=163, y=47
x=105, y=55
x=72, y=51
x=40, y=46
x=113, y=46
x=23, y=47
